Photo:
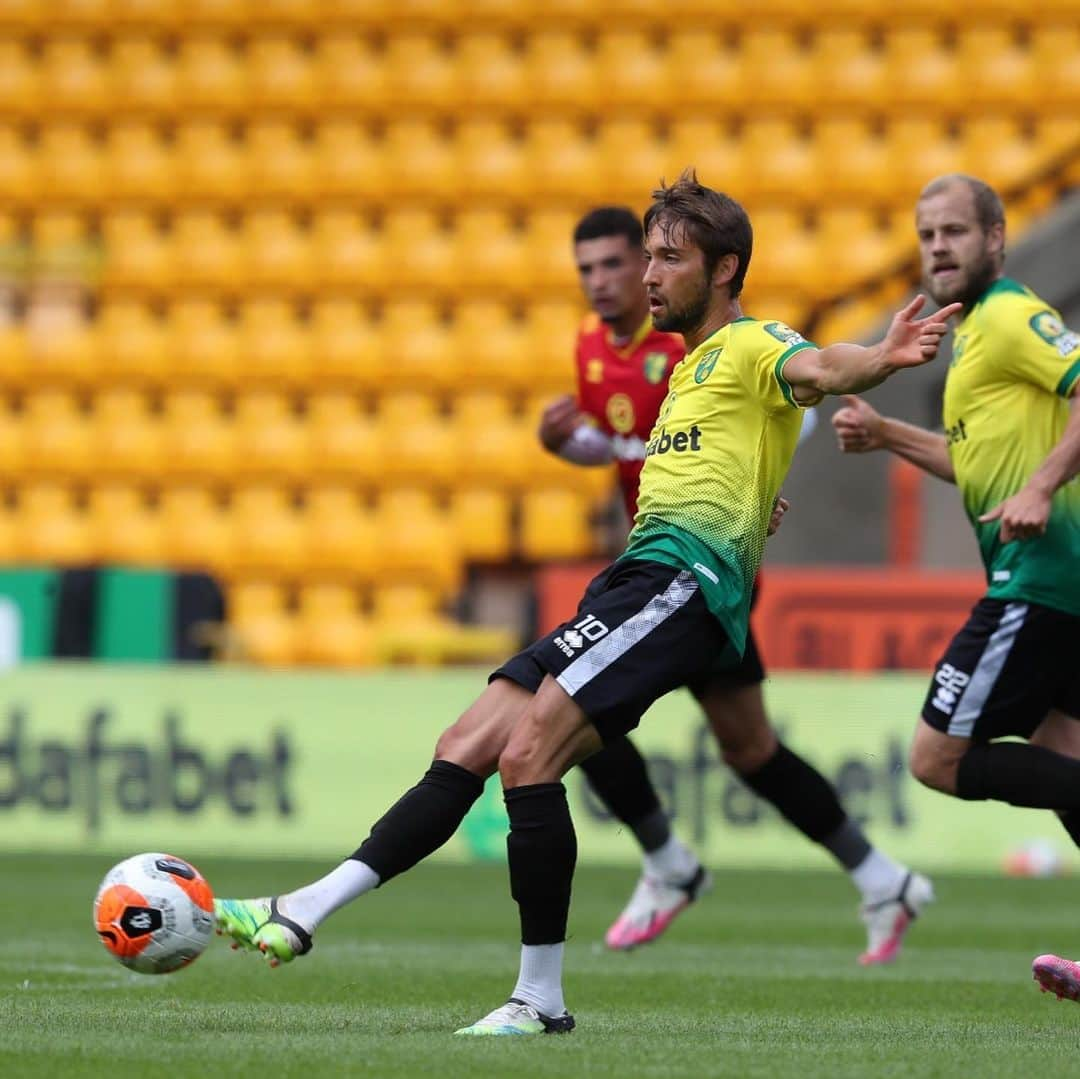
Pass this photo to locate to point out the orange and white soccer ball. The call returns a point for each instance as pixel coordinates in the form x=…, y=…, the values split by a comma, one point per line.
x=154, y=913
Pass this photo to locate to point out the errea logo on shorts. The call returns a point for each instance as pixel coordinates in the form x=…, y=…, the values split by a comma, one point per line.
x=589, y=629
x=950, y=685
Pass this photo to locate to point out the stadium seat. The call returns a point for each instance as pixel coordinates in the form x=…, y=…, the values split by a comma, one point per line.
x=61, y=347
x=207, y=252
x=123, y=528
x=351, y=75
x=634, y=160
x=706, y=143
x=62, y=252
x=1055, y=53
x=20, y=78
x=421, y=160
x=474, y=408
x=350, y=164
x=852, y=247
x=551, y=327
x=277, y=252
x=347, y=252
x=18, y=169
x=417, y=343
x=12, y=447
x=496, y=454
x=561, y=162
x=852, y=161
x=281, y=75
x=423, y=255
x=706, y=70
x=994, y=148
x=779, y=305
x=554, y=525
x=549, y=251
x=420, y=73
x=126, y=438
x=330, y=629
x=143, y=76
x=489, y=258
x=490, y=162
x=271, y=442
x=49, y=529
x=482, y=523
x=344, y=440
x=492, y=350
x=267, y=531
x=203, y=343
x=405, y=406
x=560, y=73
x=920, y=70
x=344, y=343
x=632, y=68
x=416, y=543
x=777, y=69
x=281, y=162
x=139, y=166
x=211, y=77
x=995, y=69
x=420, y=451
x=261, y=627
x=848, y=72
x=783, y=167
x=132, y=345
x=211, y=165
x=195, y=529
x=340, y=537
x=218, y=15
x=74, y=79
x=70, y=166
x=920, y=148
x=200, y=443
x=490, y=75
x=398, y=603
x=137, y=258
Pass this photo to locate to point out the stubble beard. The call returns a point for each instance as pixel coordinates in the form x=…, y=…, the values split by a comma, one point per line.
x=687, y=317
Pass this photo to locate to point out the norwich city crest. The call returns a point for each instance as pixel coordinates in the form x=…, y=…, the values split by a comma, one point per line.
x=654, y=367
x=706, y=364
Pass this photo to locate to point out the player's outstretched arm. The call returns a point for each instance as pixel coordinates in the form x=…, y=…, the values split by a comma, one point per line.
x=565, y=432
x=845, y=368
x=1026, y=513
x=860, y=428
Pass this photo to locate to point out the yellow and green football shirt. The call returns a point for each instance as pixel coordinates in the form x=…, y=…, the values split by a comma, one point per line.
x=1006, y=404
x=717, y=455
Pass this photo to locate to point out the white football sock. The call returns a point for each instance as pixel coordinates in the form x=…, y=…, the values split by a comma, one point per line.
x=314, y=902
x=540, y=978
x=878, y=877
x=673, y=862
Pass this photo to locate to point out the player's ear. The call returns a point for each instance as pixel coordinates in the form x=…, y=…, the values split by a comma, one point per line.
x=726, y=268
x=995, y=238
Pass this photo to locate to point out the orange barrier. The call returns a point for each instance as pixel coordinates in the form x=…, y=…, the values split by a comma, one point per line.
x=855, y=618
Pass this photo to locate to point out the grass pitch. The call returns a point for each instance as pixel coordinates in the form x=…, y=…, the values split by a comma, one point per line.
x=759, y=979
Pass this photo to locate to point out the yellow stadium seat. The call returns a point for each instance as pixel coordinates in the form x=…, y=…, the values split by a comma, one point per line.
x=340, y=537
x=18, y=170
x=418, y=344
x=132, y=345
x=255, y=597
x=74, y=79
x=136, y=256
x=347, y=251
x=281, y=75
x=143, y=75
x=784, y=252
x=62, y=251
x=344, y=440
x=706, y=70
x=492, y=350
x=277, y=252
x=849, y=73
x=126, y=438
x=398, y=603
x=491, y=161
x=548, y=244
x=474, y=408
x=705, y=142
x=275, y=347
x=420, y=73
x=330, y=629
x=421, y=452
x=1058, y=133
x=994, y=148
x=406, y=406
x=782, y=163
x=267, y=531
x=219, y=14
x=779, y=305
x=416, y=542
x=200, y=443
x=207, y=252
x=425, y=257
x=1055, y=52
x=344, y=342
x=490, y=74
x=497, y=453
x=70, y=166
x=203, y=343
x=852, y=247
x=995, y=69
x=422, y=161
x=281, y=162
x=211, y=76
x=920, y=69
x=549, y=471
x=211, y=166
x=550, y=332
x=350, y=163
x=123, y=528
x=777, y=70
x=560, y=73
x=554, y=525
x=482, y=523
x=260, y=627
x=139, y=166
x=561, y=162
x=195, y=528
x=61, y=350
x=49, y=528
x=635, y=159
x=351, y=73
x=20, y=76
x=143, y=15
x=271, y=442
x=632, y=68
x=12, y=447
x=852, y=160
x=489, y=258
x=920, y=148
x=25, y=16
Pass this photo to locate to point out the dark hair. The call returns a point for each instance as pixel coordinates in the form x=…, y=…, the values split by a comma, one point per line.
x=988, y=208
x=713, y=221
x=609, y=221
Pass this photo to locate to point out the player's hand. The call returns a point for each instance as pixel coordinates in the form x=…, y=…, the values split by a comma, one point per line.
x=859, y=427
x=558, y=422
x=1023, y=516
x=780, y=507
x=913, y=341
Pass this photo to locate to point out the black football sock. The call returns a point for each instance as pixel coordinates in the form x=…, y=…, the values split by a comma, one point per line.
x=620, y=778
x=542, y=852
x=806, y=799
x=421, y=820
x=1020, y=774
x=1071, y=821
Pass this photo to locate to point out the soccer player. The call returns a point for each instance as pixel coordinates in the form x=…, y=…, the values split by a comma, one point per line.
x=623, y=366
x=1012, y=446
x=654, y=620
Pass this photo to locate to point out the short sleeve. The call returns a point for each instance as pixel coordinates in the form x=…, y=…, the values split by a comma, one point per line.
x=1039, y=348
x=763, y=349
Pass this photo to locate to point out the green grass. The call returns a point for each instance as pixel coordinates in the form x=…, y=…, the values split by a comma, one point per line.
x=759, y=980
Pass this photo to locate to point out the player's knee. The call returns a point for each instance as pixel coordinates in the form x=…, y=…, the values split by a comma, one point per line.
x=932, y=769
x=748, y=749
x=517, y=765
x=462, y=744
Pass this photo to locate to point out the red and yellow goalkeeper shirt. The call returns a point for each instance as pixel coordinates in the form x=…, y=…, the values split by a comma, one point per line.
x=621, y=390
